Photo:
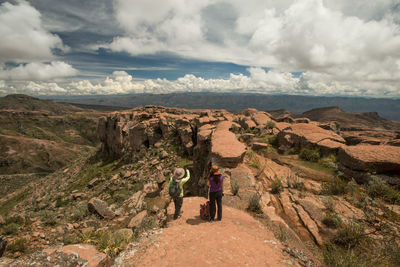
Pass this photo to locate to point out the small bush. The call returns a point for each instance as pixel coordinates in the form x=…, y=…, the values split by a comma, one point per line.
x=235, y=188
x=294, y=182
x=310, y=154
x=18, y=245
x=329, y=161
x=48, y=217
x=10, y=229
x=329, y=204
x=379, y=188
x=254, y=203
x=270, y=125
x=332, y=220
x=350, y=236
x=79, y=212
x=276, y=186
x=336, y=186
x=335, y=256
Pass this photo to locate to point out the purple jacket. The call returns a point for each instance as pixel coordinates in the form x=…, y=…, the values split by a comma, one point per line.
x=215, y=187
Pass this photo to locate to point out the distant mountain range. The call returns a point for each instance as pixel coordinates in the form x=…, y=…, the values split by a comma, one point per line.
x=386, y=108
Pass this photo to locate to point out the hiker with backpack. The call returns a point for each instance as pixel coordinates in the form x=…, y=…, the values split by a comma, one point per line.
x=216, y=186
x=175, y=189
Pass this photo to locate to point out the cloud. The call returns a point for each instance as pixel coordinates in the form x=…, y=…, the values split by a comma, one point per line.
x=341, y=42
x=23, y=37
x=38, y=71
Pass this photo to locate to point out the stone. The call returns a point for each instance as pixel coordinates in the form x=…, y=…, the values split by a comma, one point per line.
x=309, y=223
x=261, y=119
x=258, y=146
x=2, y=221
x=370, y=158
x=78, y=196
x=150, y=188
x=88, y=253
x=164, y=154
x=100, y=208
x=3, y=245
x=136, y=201
x=226, y=150
x=136, y=221
x=87, y=230
x=92, y=183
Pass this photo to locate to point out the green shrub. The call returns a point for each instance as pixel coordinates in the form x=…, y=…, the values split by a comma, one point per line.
x=329, y=161
x=10, y=229
x=379, y=188
x=294, y=182
x=254, y=203
x=276, y=186
x=18, y=245
x=336, y=186
x=79, y=212
x=270, y=125
x=48, y=217
x=310, y=154
x=235, y=188
x=332, y=220
x=335, y=256
x=350, y=236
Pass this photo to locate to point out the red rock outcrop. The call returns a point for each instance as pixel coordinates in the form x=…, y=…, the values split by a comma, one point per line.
x=302, y=134
x=226, y=150
x=370, y=158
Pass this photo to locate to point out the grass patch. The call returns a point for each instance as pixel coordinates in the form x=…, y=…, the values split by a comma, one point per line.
x=351, y=235
x=253, y=160
x=271, y=139
x=235, y=188
x=378, y=188
x=10, y=229
x=317, y=167
x=270, y=125
x=184, y=162
x=254, y=203
x=6, y=207
x=18, y=245
x=294, y=182
x=332, y=220
x=336, y=186
x=310, y=154
x=276, y=186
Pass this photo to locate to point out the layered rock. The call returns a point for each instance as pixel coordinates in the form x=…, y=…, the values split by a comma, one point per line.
x=100, y=208
x=226, y=150
x=302, y=134
x=370, y=158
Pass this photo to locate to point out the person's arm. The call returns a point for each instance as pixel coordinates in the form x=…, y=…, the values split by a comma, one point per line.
x=208, y=183
x=184, y=180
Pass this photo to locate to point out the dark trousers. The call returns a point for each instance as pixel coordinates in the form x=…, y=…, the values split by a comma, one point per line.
x=178, y=201
x=216, y=197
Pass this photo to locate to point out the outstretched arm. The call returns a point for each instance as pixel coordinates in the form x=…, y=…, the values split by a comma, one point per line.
x=184, y=180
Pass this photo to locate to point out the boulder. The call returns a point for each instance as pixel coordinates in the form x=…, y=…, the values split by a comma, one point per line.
x=302, y=134
x=226, y=150
x=261, y=119
x=150, y=188
x=123, y=234
x=100, y=208
x=136, y=221
x=370, y=158
x=136, y=201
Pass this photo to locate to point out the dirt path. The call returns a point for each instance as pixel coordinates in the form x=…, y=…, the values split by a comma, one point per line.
x=237, y=240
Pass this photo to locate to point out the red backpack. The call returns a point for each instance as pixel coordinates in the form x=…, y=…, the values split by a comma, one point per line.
x=205, y=211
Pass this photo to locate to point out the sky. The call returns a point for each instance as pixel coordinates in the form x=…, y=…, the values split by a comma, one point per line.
x=108, y=47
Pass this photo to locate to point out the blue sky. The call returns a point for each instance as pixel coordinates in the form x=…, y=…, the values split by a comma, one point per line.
x=300, y=47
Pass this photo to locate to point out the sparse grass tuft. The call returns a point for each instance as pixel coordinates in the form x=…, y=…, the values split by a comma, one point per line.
x=276, y=186
x=6, y=207
x=18, y=245
x=310, y=154
x=336, y=186
x=10, y=229
x=254, y=203
x=294, y=182
x=351, y=235
x=270, y=125
x=332, y=220
x=378, y=188
x=235, y=188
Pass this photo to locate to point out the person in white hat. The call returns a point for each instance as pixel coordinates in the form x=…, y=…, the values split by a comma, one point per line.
x=175, y=189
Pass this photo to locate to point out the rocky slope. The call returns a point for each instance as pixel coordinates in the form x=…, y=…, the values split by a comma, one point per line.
x=115, y=199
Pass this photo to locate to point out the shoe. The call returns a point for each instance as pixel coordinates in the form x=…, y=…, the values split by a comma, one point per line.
x=181, y=212
x=210, y=219
x=218, y=219
x=177, y=217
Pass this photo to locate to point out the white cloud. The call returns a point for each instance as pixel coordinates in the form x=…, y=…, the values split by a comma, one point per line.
x=23, y=37
x=354, y=44
x=259, y=81
x=38, y=71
